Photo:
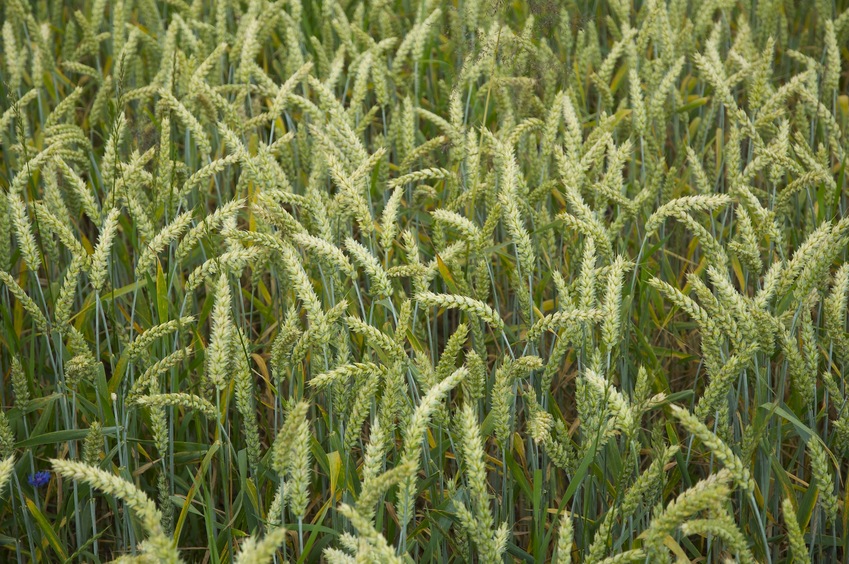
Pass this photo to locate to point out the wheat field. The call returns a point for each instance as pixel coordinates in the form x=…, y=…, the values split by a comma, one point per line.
x=356, y=281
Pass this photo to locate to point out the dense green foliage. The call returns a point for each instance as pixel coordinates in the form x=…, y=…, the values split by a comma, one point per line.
x=421, y=280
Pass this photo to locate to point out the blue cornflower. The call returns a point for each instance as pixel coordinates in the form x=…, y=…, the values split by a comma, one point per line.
x=39, y=479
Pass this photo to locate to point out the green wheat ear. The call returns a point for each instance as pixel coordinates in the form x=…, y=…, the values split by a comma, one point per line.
x=7, y=468
x=157, y=544
x=261, y=551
